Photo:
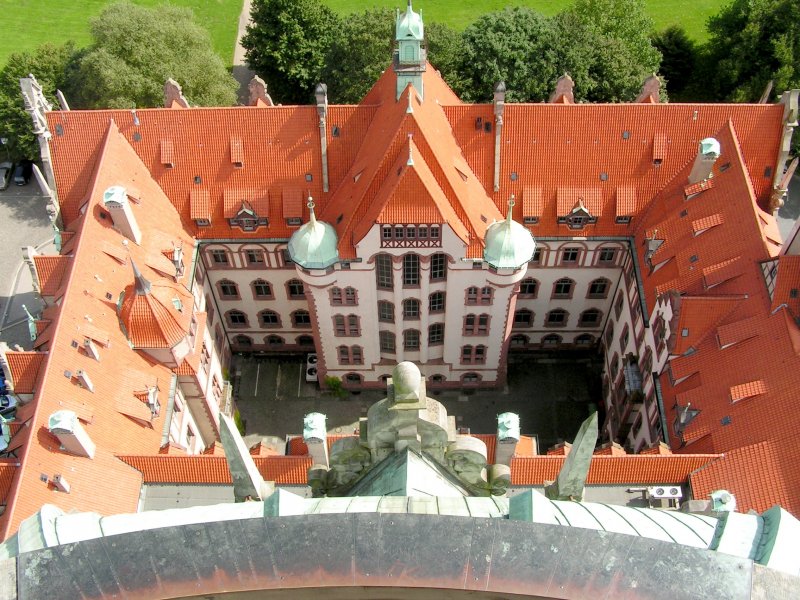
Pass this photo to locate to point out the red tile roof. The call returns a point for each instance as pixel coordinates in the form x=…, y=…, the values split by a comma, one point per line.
x=285, y=470
x=153, y=320
x=25, y=367
x=50, y=271
x=613, y=470
x=759, y=476
x=85, y=313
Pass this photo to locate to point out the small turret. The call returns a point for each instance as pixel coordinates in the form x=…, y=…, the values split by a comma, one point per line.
x=409, y=56
x=315, y=244
x=509, y=245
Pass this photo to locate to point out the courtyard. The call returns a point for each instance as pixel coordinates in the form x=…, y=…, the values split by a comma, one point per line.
x=552, y=396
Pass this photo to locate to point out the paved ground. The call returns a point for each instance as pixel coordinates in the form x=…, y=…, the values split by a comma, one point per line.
x=552, y=398
x=240, y=71
x=23, y=221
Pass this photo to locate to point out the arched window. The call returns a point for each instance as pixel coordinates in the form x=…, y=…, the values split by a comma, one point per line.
x=476, y=324
x=470, y=378
x=350, y=355
x=487, y=294
x=387, y=341
x=585, y=339
x=228, y=290
x=473, y=355
x=383, y=272
x=262, y=289
x=410, y=270
x=295, y=289
x=529, y=287
x=523, y=318
x=557, y=318
x=236, y=319
x=243, y=341
x=599, y=288
x=411, y=309
x=519, y=340
x=269, y=318
x=551, y=340
x=411, y=339
x=336, y=296
x=436, y=302
x=352, y=379
x=471, y=296
x=350, y=296
x=274, y=340
x=590, y=318
x=437, y=378
x=301, y=318
x=436, y=334
x=305, y=340
x=563, y=288
x=346, y=325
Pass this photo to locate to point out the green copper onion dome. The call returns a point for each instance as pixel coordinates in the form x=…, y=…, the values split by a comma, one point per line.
x=509, y=245
x=314, y=245
x=409, y=25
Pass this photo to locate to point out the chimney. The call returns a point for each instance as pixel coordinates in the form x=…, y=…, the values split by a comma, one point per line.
x=499, y=108
x=321, y=95
x=65, y=426
x=507, y=438
x=116, y=202
x=707, y=154
x=316, y=438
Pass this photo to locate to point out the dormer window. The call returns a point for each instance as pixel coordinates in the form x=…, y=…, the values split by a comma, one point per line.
x=578, y=217
x=247, y=219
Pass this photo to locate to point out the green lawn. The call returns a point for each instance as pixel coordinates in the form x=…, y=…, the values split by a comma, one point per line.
x=692, y=14
x=29, y=23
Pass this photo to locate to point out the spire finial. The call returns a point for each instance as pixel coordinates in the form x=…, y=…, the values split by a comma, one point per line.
x=410, y=161
x=511, y=202
x=142, y=285
x=310, y=204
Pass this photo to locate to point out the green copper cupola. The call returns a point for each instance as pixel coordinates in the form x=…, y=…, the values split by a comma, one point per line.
x=409, y=56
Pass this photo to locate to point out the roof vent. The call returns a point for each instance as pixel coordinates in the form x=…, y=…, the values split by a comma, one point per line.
x=65, y=426
x=91, y=349
x=83, y=378
x=115, y=200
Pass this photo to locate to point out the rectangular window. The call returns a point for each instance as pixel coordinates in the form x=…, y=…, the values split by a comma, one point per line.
x=350, y=296
x=472, y=296
x=570, y=256
x=411, y=232
x=387, y=341
x=607, y=255
x=383, y=272
x=436, y=334
x=411, y=339
x=254, y=257
x=410, y=270
x=486, y=295
x=436, y=302
x=422, y=233
x=434, y=233
x=386, y=312
x=219, y=258
x=386, y=233
x=438, y=267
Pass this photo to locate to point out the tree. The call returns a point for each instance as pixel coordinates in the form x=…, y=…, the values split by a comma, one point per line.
x=679, y=58
x=752, y=42
x=360, y=51
x=609, y=42
x=286, y=44
x=136, y=49
x=48, y=63
x=444, y=52
x=514, y=45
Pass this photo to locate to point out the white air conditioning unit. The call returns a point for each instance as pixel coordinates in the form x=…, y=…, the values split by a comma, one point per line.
x=665, y=491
